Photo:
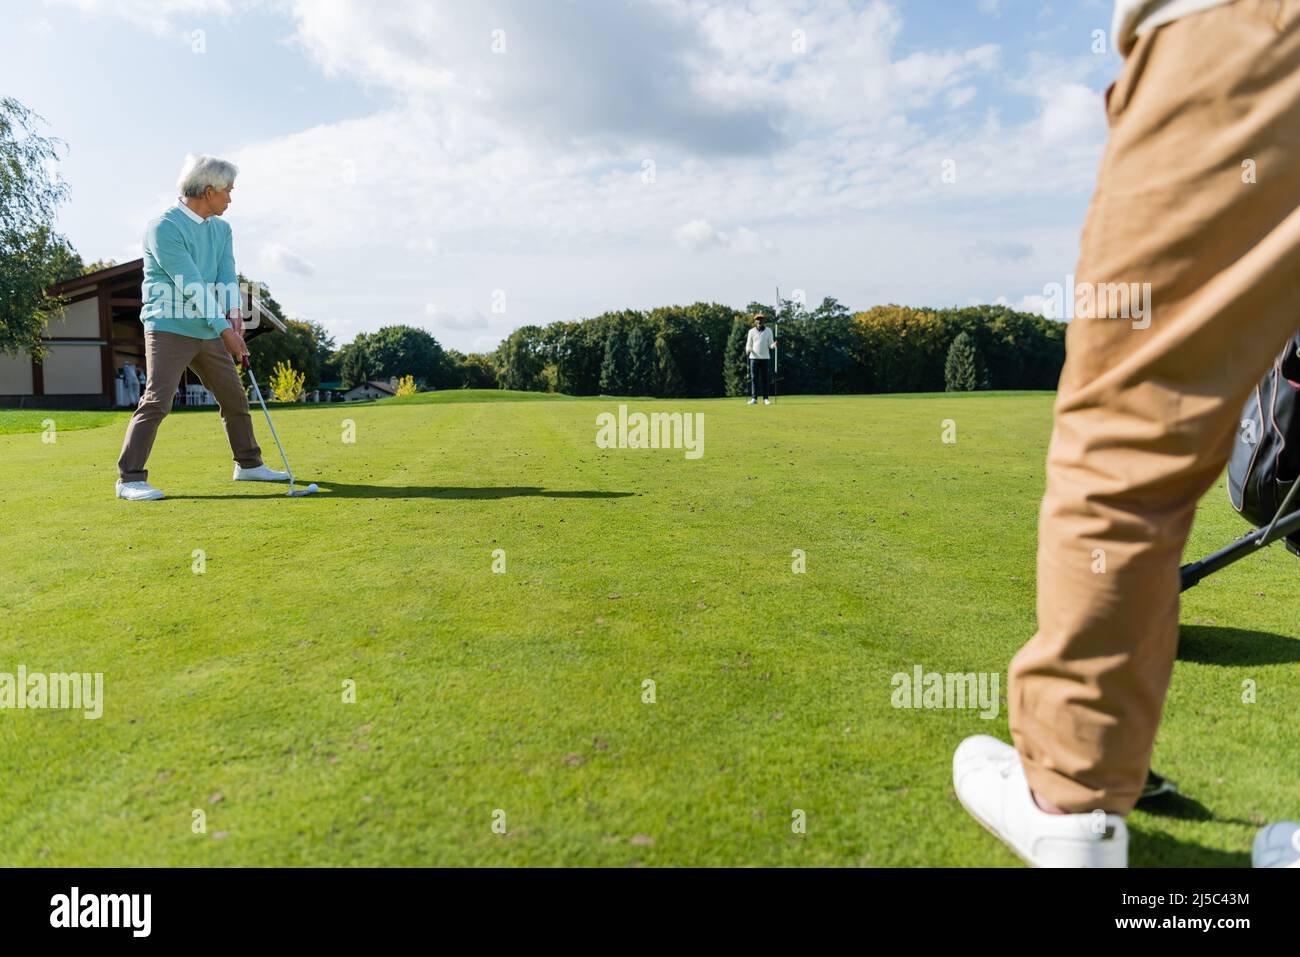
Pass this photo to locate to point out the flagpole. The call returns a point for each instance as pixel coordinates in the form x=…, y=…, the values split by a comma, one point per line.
x=776, y=353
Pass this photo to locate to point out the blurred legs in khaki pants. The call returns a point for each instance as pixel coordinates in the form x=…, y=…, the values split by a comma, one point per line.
x=1145, y=417
x=167, y=355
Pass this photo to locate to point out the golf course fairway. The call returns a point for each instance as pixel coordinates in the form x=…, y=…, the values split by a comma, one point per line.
x=488, y=641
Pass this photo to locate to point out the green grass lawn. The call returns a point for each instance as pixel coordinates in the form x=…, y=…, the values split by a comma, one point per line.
x=523, y=691
x=13, y=421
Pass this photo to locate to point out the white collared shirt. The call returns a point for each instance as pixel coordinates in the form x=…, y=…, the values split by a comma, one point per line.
x=1135, y=17
x=190, y=213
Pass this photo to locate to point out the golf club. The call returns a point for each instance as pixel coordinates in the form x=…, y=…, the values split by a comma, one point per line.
x=293, y=492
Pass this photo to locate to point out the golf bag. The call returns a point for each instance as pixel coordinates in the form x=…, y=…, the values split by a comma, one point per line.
x=1265, y=461
x=1264, y=467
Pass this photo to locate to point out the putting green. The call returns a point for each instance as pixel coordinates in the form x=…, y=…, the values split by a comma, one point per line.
x=520, y=699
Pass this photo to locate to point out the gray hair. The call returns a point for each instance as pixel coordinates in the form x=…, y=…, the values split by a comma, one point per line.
x=200, y=172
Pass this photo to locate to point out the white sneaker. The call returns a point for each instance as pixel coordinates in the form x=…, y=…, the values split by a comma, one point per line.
x=767, y=402
x=990, y=783
x=262, y=473
x=752, y=402
x=138, y=491
x=1278, y=845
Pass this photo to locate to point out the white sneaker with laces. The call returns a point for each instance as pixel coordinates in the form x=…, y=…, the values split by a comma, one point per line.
x=767, y=402
x=752, y=402
x=262, y=473
x=990, y=783
x=138, y=491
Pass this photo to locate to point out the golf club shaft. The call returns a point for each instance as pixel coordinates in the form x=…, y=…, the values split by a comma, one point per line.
x=776, y=353
x=258, y=392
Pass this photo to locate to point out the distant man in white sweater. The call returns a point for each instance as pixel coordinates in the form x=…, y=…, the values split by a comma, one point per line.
x=758, y=346
x=1198, y=198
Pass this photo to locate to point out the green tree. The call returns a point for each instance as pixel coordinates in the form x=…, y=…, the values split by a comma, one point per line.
x=473, y=371
x=395, y=351
x=98, y=265
x=695, y=336
x=577, y=349
x=33, y=256
x=613, y=368
x=640, y=358
x=829, y=309
x=295, y=346
x=521, y=358
x=332, y=369
x=668, y=376
x=735, y=367
x=964, y=370
x=902, y=348
x=355, y=364
x=327, y=363
x=821, y=355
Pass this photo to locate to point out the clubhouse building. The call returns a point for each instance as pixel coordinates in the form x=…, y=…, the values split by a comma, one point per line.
x=96, y=349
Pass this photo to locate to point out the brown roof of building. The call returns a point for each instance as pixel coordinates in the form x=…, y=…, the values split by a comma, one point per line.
x=101, y=275
x=381, y=386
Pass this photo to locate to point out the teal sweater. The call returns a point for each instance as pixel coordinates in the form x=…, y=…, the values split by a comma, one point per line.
x=189, y=276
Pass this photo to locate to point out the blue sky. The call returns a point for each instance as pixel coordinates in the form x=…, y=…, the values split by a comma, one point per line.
x=403, y=162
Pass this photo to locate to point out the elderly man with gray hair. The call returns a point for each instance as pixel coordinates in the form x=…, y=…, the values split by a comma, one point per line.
x=192, y=317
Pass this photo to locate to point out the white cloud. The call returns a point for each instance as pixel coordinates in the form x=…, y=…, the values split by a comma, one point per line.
x=563, y=73
x=427, y=245
x=461, y=319
x=1008, y=250
x=695, y=235
x=1072, y=113
x=960, y=96
x=522, y=170
x=165, y=16
x=280, y=257
x=921, y=75
x=698, y=235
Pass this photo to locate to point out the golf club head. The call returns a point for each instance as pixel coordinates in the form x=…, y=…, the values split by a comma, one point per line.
x=299, y=492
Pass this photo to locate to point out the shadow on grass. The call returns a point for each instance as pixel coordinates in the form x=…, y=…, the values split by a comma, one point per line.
x=1215, y=645
x=471, y=492
x=1181, y=807
x=1153, y=849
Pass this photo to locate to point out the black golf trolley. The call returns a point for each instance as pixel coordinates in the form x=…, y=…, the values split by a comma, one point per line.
x=1264, y=468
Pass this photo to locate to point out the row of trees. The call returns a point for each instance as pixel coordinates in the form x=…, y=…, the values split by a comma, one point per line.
x=698, y=351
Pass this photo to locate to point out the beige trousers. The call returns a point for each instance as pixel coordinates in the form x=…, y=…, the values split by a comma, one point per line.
x=167, y=355
x=1197, y=195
